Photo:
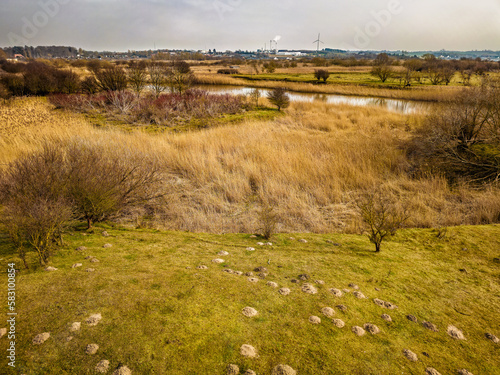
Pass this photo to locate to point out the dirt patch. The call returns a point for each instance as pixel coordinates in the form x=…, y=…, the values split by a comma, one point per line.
x=309, y=288
x=50, y=269
x=250, y=249
x=260, y=269
x=91, y=349
x=390, y=305
x=283, y=370
x=284, y=291
x=464, y=372
x=223, y=253
x=107, y=245
x=430, y=326
x=249, y=312
x=492, y=337
x=272, y=284
x=342, y=308
x=81, y=248
x=3, y=332
x=89, y=269
x=319, y=282
x=253, y=279
x=249, y=372
x=248, y=351
x=314, y=319
x=76, y=265
x=75, y=326
x=353, y=286
x=232, y=370
x=218, y=261
x=358, y=331
x=336, y=292
x=412, y=318
x=339, y=323
x=328, y=312
x=239, y=273
x=228, y=270
x=94, y=319
x=303, y=240
x=303, y=277
x=102, y=367
x=387, y=318
x=455, y=333
x=378, y=302
x=41, y=338
x=122, y=370
x=202, y=267
x=410, y=355
x=262, y=275
x=359, y=295
x=431, y=371
x=372, y=328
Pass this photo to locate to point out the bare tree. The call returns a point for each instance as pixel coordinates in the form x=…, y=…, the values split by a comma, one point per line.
x=137, y=76
x=157, y=78
x=279, y=98
x=180, y=77
x=111, y=78
x=383, y=72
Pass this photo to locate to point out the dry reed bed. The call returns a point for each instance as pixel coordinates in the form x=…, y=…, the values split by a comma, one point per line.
x=429, y=94
x=309, y=165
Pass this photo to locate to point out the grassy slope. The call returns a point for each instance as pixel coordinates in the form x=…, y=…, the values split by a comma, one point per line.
x=161, y=317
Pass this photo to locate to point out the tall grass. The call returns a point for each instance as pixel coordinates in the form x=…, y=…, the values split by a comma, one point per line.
x=309, y=164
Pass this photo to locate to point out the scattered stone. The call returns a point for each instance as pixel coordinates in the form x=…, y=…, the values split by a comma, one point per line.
x=328, y=312
x=50, y=269
x=202, y=267
x=378, y=302
x=430, y=326
x=249, y=312
x=91, y=349
x=81, y=248
x=248, y=273
x=122, y=370
x=464, y=372
x=339, y=323
x=309, y=288
x=489, y=336
x=260, y=243
x=253, y=279
x=222, y=253
x=218, y=261
x=76, y=265
x=303, y=240
x=260, y=269
x=320, y=282
x=249, y=372
x=105, y=234
x=387, y=318
x=431, y=371
x=342, y=308
x=3, y=332
x=248, y=351
x=232, y=370
x=336, y=292
x=272, y=284
x=372, y=328
x=314, y=319
x=284, y=291
x=455, y=333
x=358, y=331
x=107, y=245
x=353, y=286
x=239, y=273
x=90, y=269
x=75, y=326
x=250, y=249
x=262, y=275
x=94, y=319
x=283, y=370
x=412, y=318
x=359, y=295
x=410, y=355
x=389, y=305
x=303, y=277
x=41, y=338
x=102, y=367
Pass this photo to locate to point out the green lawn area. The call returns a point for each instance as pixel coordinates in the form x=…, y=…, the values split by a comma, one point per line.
x=161, y=315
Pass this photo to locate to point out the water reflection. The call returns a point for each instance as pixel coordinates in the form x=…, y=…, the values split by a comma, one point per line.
x=395, y=105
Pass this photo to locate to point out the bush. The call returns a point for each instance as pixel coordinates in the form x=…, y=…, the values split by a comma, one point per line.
x=111, y=79
x=321, y=74
x=279, y=98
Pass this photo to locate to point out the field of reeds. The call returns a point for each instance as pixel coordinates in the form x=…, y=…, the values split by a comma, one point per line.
x=308, y=165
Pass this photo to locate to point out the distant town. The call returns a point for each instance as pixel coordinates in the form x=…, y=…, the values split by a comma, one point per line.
x=48, y=52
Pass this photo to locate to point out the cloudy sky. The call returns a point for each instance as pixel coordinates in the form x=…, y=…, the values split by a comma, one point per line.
x=120, y=25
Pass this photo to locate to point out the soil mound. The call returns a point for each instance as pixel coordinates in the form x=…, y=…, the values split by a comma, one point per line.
x=248, y=351
x=430, y=326
x=410, y=355
x=249, y=312
x=336, y=292
x=309, y=288
x=283, y=370
x=455, y=333
x=358, y=331
x=284, y=291
x=431, y=371
x=314, y=319
x=328, y=312
x=387, y=318
x=232, y=370
x=372, y=328
x=339, y=323
x=41, y=338
x=102, y=367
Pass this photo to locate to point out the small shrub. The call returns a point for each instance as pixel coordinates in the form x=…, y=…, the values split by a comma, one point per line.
x=279, y=98
x=268, y=219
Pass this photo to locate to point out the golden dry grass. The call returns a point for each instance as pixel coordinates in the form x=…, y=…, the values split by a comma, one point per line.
x=309, y=164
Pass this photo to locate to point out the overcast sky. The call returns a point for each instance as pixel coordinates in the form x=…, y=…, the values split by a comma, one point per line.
x=120, y=25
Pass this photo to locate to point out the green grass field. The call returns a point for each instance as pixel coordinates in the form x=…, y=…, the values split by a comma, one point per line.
x=161, y=315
